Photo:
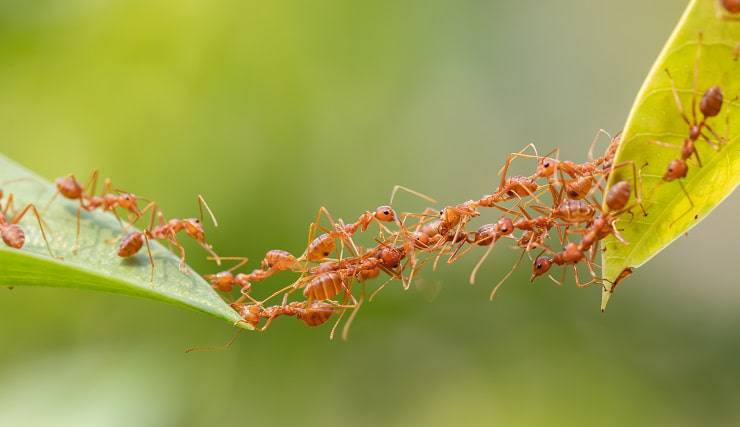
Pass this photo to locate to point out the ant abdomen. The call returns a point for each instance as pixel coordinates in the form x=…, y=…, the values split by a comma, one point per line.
x=278, y=259
x=485, y=235
x=316, y=314
x=574, y=211
x=324, y=286
x=732, y=6
x=131, y=244
x=14, y=236
x=711, y=102
x=69, y=187
x=320, y=247
x=580, y=187
x=618, y=196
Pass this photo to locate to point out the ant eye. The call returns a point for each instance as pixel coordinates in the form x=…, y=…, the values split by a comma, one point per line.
x=386, y=213
x=546, y=165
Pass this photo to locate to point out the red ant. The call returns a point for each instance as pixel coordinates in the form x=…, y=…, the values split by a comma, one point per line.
x=710, y=106
x=11, y=233
x=323, y=245
x=109, y=201
x=167, y=231
x=315, y=313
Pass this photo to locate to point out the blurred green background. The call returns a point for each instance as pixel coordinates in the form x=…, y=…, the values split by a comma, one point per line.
x=272, y=109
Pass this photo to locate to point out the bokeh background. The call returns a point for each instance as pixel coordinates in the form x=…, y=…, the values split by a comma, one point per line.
x=272, y=109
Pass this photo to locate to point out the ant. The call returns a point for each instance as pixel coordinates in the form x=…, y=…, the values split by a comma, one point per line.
x=315, y=313
x=12, y=234
x=167, y=231
x=70, y=188
x=710, y=106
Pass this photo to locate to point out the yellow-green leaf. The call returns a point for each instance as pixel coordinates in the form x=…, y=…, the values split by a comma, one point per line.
x=708, y=31
x=95, y=265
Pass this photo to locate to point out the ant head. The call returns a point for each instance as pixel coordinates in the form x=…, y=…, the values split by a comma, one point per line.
x=547, y=167
x=1, y=194
x=69, y=187
x=127, y=201
x=677, y=169
x=14, y=236
x=385, y=213
x=250, y=314
x=504, y=226
x=390, y=257
x=449, y=216
x=420, y=239
x=540, y=266
x=194, y=228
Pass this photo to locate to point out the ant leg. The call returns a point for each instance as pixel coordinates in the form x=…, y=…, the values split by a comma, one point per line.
x=223, y=347
x=594, y=141
x=691, y=203
x=348, y=323
x=242, y=261
x=696, y=77
x=202, y=204
x=151, y=258
x=92, y=183
x=716, y=146
x=498, y=285
x=380, y=288
x=8, y=205
x=577, y=276
x=410, y=191
x=480, y=263
x=677, y=99
x=181, y=249
x=560, y=282
x=32, y=208
x=504, y=170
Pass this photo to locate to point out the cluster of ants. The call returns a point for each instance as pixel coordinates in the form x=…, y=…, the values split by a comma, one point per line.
x=333, y=262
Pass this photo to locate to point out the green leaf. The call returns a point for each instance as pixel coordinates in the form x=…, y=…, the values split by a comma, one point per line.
x=95, y=265
x=704, y=27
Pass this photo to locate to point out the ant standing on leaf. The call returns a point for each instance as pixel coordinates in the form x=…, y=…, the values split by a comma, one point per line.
x=167, y=231
x=710, y=106
x=109, y=201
